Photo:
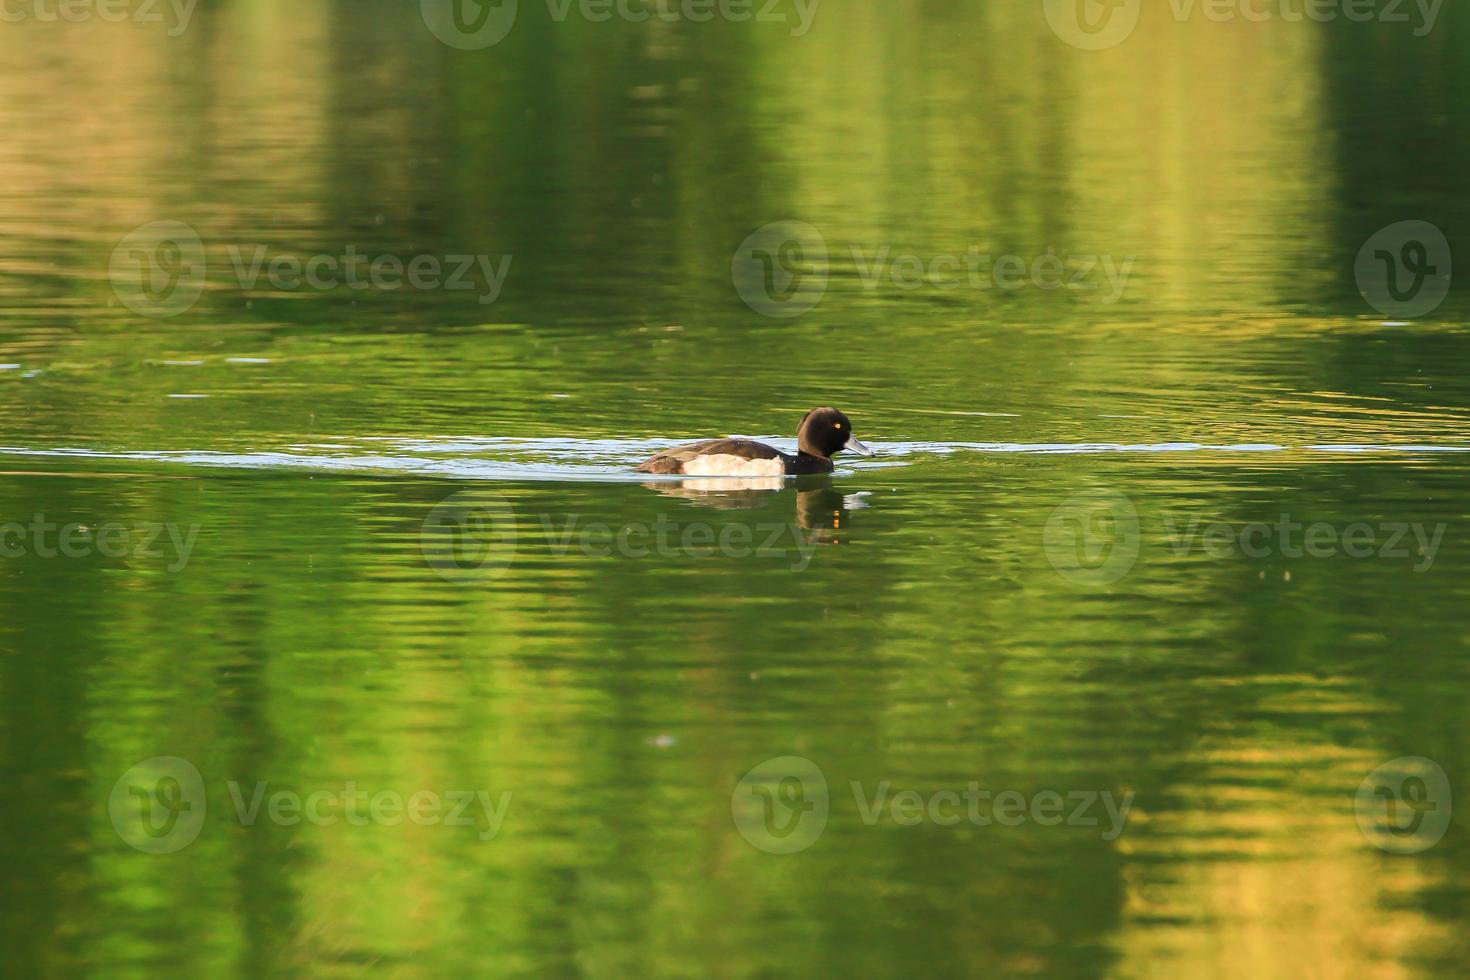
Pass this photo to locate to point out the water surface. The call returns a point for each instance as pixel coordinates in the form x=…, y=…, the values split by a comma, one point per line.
x=392, y=539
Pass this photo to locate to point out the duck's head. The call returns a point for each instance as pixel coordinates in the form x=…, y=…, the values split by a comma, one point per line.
x=826, y=432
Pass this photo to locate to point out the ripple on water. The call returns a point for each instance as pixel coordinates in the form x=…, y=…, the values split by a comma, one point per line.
x=612, y=460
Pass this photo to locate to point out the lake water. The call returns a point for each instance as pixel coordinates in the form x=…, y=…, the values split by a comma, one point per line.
x=339, y=633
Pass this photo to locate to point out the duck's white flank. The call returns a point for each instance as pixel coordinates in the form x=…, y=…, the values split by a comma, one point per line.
x=727, y=465
x=727, y=484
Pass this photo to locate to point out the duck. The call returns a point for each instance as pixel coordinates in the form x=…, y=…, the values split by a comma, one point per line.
x=823, y=433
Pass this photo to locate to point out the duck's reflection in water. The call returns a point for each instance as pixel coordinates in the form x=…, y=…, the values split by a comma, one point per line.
x=820, y=509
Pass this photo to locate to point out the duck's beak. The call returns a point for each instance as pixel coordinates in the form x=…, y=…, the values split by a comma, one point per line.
x=853, y=446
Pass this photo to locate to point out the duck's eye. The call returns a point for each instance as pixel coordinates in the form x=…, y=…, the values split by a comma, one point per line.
x=836, y=425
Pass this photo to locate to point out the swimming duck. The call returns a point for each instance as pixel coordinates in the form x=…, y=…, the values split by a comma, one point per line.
x=823, y=433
